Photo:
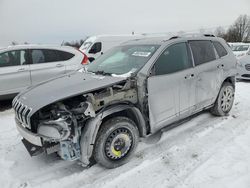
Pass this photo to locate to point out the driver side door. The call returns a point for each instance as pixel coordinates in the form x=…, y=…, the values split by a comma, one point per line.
x=171, y=87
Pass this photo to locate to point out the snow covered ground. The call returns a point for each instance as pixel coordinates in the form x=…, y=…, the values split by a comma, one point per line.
x=206, y=151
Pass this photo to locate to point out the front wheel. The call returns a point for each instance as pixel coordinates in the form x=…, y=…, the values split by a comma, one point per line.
x=224, y=101
x=116, y=142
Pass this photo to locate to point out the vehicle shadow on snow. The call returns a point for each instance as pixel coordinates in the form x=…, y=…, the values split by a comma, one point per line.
x=156, y=137
x=5, y=105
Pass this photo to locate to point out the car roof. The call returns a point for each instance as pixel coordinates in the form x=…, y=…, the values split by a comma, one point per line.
x=36, y=46
x=166, y=39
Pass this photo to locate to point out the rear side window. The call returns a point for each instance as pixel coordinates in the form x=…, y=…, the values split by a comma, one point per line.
x=37, y=56
x=220, y=49
x=203, y=51
x=47, y=56
x=174, y=58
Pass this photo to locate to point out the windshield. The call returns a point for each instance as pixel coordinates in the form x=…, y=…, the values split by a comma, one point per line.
x=123, y=59
x=240, y=48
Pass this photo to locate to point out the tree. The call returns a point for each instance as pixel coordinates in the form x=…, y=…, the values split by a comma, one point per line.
x=239, y=31
x=242, y=28
x=220, y=32
x=13, y=43
x=75, y=44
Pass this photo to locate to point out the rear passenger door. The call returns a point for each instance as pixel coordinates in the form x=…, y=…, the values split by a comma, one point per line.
x=14, y=71
x=209, y=71
x=46, y=64
x=171, y=86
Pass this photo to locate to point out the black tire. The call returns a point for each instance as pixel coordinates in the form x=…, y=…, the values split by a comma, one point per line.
x=219, y=108
x=116, y=132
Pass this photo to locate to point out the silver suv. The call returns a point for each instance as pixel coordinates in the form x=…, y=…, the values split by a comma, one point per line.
x=134, y=90
x=25, y=65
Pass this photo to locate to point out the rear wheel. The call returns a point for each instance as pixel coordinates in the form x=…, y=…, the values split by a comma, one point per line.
x=116, y=141
x=224, y=101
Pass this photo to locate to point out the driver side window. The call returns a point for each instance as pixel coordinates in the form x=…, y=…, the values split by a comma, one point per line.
x=97, y=47
x=175, y=58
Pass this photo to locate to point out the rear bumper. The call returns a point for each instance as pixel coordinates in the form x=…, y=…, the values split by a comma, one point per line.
x=27, y=135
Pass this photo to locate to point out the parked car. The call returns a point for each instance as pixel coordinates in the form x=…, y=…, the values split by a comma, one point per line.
x=234, y=44
x=132, y=91
x=241, y=50
x=23, y=66
x=244, y=68
x=95, y=46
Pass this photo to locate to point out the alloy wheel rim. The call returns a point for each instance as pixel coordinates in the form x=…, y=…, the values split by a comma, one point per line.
x=227, y=99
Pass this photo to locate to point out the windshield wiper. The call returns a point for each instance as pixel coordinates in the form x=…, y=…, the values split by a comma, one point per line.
x=102, y=72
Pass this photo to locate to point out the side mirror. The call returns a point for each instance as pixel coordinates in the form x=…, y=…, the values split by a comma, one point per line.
x=91, y=59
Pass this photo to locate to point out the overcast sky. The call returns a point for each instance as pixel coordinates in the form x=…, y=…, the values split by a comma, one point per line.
x=52, y=21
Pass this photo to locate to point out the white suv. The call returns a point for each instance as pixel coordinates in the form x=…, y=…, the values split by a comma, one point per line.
x=241, y=50
x=23, y=66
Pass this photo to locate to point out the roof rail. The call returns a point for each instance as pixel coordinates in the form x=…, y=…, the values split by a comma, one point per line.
x=174, y=37
x=209, y=35
x=191, y=35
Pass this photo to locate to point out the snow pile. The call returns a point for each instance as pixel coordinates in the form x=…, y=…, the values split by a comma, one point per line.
x=206, y=151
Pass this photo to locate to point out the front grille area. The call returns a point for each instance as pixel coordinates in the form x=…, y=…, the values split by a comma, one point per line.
x=247, y=66
x=22, y=112
x=246, y=75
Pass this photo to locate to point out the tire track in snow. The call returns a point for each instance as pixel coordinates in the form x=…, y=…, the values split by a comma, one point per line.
x=161, y=152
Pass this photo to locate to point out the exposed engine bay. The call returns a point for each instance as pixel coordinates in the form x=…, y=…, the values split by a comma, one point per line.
x=60, y=124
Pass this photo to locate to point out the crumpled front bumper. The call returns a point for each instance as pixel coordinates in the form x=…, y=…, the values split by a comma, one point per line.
x=33, y=138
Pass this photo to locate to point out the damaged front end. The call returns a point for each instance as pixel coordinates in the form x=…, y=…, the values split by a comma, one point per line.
x=58, y=127
x=60, y=124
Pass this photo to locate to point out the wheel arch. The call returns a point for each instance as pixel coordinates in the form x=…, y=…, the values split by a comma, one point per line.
x=229, y=79
x=90, y=130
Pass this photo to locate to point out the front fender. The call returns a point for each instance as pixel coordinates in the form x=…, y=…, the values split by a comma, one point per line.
x=90, y=130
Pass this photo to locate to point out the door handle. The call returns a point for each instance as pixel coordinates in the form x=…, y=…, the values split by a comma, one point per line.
x=220, y=66
x=189, y=76
x=59, y=65
x=21, y=70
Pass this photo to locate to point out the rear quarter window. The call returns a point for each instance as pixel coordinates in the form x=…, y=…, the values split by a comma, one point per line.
x=220, y=49
x=203, y=51
x=64, y=56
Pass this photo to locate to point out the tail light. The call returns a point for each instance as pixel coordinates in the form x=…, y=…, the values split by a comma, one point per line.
x=85, y=60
